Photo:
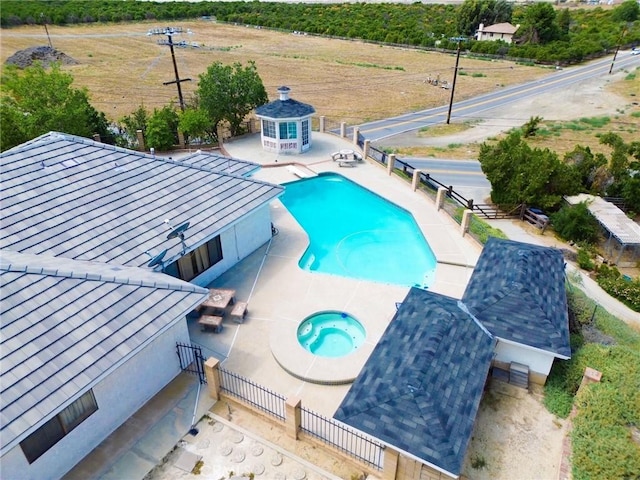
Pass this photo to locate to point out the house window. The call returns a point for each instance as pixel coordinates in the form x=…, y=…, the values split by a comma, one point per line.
x=58, y=427
x=288, y=130
x=269, y=128
x=200, y=259
x=305, y=132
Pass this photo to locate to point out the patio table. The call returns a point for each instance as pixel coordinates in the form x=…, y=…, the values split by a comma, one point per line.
x=219, y=299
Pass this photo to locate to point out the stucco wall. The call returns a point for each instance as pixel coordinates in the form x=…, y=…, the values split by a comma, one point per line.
x=118, y=396
x=539, y=362
x=239, y=241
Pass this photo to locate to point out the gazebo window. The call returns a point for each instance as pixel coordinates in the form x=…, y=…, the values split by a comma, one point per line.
x=269, y=128
x=288, y=130
x=305, y=132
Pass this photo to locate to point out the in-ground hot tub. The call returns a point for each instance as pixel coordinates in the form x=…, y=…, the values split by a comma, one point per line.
x=331, y=334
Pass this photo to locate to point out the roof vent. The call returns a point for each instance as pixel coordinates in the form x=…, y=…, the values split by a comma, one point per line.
x=284, y=93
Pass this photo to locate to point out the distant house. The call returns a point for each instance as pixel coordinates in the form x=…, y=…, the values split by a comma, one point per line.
x=420, y=389
x=96, y=248
x=499, y=31
x=67, y=196
x=84, y=345
x=286, y=124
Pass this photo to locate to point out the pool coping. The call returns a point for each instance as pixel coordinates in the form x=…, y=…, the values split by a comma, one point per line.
x=308, y=367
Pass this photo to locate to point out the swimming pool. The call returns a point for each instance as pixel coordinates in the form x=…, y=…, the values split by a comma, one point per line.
x=355, y=233
x=331, y=334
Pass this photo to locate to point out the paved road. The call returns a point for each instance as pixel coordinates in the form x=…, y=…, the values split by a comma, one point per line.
x=466, y=175
x=475, y=107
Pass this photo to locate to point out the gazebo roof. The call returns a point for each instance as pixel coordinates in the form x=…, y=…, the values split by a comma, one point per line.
x=285, y=107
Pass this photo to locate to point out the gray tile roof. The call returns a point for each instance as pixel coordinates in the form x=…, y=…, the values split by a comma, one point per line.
x=66, y=323
x=421, y=387
x=72, y=197
x=288, y=108
x=220, y=163
x=517, y=291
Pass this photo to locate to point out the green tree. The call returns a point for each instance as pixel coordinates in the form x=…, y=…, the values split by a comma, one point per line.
x=229, y=93
x=162, y=128
x=574, y=222
x=195, y=124
x=130, y=124
x=489, y=12
x=520, y=174
x=36, y=101
x=627, y=11
x=539, y=24
x=585, y=165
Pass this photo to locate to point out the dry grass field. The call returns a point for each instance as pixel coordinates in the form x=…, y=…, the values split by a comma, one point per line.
x=347, y=81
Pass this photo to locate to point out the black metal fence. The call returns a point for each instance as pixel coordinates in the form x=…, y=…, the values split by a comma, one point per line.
x=337, y=435
x=191, y=360
x=252, y=393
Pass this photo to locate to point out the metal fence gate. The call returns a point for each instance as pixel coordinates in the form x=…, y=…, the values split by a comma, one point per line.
x=191, y=360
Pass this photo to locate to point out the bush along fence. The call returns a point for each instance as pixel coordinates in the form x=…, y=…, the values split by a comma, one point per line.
x=301, y=423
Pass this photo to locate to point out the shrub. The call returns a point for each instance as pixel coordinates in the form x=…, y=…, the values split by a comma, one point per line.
x=612, y=282
x=584, y=260
x=575, y=223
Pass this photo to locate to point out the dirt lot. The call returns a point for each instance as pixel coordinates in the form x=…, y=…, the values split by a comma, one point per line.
x=348, y=81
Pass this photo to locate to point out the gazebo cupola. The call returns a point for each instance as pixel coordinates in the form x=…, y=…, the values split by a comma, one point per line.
x=286, y=124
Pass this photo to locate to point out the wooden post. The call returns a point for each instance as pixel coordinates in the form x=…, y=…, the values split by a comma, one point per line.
x=391, y=163
x=343, y=129
x=293, y=416
x=466, y=221
x=212, y=374
x=390, y=464
x=415, y=180
x=356, y=131
x=140, y=137
x=365, y=149
x=322, y=123
x=442, y=191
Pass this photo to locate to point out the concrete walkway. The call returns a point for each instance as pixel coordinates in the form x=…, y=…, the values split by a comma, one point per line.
x=141, y=443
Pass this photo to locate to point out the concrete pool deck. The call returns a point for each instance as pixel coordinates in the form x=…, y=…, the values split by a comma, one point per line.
x=281, y=295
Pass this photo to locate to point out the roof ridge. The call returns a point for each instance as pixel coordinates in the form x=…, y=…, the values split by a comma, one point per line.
x=163, y=284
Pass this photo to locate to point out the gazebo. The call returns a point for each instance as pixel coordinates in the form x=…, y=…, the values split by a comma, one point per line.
x=286, y=124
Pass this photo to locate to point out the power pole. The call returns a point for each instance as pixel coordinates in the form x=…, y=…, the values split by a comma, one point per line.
x=44, y=22
x=453, y=85
x=624, y=30
x=169, y=32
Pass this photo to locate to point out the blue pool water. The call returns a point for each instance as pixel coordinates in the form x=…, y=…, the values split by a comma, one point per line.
x=355, y=233
x=331, y=334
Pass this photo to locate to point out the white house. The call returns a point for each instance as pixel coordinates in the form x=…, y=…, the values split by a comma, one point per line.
x=499, y=31
x=71, y=197
x=97, y=247
x=84, y=345
x=286, y=124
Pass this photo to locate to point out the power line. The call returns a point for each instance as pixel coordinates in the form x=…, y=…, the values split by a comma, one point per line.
x=170, y=32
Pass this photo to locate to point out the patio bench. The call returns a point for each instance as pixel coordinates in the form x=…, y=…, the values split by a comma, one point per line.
x=238, y=312
x=211, y=321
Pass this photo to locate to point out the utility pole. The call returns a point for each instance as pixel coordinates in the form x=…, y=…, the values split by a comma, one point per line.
x=453, y=85
x=624, y=30
x=169, y=32
x=44, y=22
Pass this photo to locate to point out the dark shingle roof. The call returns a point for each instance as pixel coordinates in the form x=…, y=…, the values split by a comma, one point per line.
x=517, y=292
x=66, y=323
x=72, y=197
x=420, y=388
x=285, y=109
